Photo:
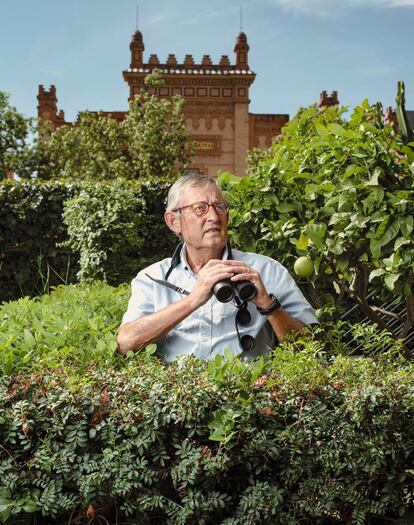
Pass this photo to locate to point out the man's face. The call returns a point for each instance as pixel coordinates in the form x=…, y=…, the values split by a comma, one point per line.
x=207, y=231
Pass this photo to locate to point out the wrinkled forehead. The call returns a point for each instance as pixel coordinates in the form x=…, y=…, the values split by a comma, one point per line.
x=207, y=192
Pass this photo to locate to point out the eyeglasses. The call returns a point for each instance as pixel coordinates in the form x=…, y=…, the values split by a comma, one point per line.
x=201, y=208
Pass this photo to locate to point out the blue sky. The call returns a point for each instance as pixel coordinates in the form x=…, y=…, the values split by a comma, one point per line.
x=298, y=48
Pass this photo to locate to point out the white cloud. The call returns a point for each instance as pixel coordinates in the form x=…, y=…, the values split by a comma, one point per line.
x=377, y=70
x=327, y=7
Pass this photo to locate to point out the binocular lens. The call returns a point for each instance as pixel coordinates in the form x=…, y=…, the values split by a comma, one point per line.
x=247, y=343
x=246, y=290
x=226, y=289
x=224, y=292
x=243, y=317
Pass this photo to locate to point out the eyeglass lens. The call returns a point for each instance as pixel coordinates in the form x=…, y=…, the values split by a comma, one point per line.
x=201, y=208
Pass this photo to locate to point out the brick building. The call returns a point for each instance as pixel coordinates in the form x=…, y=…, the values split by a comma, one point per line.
x=216, y=110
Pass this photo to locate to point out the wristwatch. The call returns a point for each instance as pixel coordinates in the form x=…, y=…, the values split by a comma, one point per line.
x=274, y=305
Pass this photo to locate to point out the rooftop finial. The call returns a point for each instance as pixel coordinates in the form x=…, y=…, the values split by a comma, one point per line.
x=241, y=18
x=137, y=16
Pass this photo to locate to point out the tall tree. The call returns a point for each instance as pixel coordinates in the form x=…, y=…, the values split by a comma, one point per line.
x=15, y=131
x=339, y=191
x=151, y=141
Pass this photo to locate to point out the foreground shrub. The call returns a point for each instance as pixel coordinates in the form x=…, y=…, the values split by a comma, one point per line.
x=287, y=440
x=74, y=326
x=304, y=435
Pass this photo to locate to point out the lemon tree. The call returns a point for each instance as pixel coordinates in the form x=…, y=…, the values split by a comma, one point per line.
x=339, y=191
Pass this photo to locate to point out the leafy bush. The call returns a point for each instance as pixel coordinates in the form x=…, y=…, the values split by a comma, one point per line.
x=113, y=229
x=340, y=191
x=30, y=230
x=304, y=435
x=285, y=440
x=72, y=327
x=109, y=224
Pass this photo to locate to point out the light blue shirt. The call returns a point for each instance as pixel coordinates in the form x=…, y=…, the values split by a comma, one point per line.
x=211, y=328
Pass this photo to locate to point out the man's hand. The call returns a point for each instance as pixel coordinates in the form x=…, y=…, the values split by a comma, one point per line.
x=245, y=273
x=281, y=322
x=214, y=271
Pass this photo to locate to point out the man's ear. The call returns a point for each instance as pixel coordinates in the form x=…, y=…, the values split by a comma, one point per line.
x=173, y=222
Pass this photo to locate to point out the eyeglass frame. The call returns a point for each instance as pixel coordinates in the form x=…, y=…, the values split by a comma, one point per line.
x=214, y=204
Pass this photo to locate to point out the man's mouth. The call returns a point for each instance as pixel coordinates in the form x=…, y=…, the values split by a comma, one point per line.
x=213, y=230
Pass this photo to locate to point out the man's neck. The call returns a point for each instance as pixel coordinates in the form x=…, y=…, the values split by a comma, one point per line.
x=198, y=258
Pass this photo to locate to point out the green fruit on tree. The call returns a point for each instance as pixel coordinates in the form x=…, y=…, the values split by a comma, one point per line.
x=303, y=267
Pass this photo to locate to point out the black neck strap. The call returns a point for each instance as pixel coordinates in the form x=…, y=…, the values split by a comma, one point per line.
x=175, y=261
x=176, y=258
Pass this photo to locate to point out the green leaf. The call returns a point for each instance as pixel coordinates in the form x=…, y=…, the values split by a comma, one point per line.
x=391, y=279
x=5, y=503
x=30, y=506
x=321, y=130
x=285, y=207
x=376, y=273
x=406, y=225
x=390, y=233
x=5, y=514
x=151, y=349
x=316, y=233
x=383, y=235
x=302, y=242
x=336, y=129
x=216, y=436
x=28, y=338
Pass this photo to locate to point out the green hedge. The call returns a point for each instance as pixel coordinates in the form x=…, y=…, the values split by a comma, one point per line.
x=30, y=229
x=305, y=435
x=111, y=231
x=286, y=441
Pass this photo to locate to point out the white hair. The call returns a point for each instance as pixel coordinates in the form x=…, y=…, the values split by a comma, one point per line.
x=193, y=180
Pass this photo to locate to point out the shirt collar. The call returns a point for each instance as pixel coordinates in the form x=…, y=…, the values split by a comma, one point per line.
x=184, y=261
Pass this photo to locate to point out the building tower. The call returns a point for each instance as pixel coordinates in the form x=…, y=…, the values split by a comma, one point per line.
x=216, y=110
x=217, y=104
x=47, y=109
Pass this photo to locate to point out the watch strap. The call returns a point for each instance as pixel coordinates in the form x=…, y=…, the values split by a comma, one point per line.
x=272, y=307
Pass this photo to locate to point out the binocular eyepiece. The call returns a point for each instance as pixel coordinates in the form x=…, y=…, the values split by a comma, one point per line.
x=225, y=290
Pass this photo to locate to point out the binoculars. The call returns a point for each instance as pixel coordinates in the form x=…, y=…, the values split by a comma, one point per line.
x=226, y=290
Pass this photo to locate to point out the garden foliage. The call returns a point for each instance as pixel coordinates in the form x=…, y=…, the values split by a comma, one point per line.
x=72, y=327
x=304, y=435
x=31, y=229
x=15, y=130
x=295, y=437
x=340, y=191
x=106, y=231
x=150, y=141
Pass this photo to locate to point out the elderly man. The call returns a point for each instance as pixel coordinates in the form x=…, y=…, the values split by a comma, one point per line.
x=172, y=302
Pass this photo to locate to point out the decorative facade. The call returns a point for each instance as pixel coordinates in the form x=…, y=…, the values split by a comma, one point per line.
x=217, y=104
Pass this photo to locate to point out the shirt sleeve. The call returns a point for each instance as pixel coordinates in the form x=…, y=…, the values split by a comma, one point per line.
x=141, y=301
